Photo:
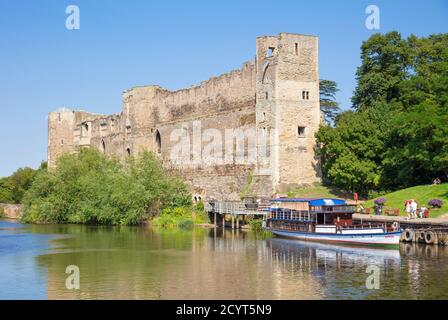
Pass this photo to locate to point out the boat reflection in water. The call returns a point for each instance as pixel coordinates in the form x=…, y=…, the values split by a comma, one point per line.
x=338, y=271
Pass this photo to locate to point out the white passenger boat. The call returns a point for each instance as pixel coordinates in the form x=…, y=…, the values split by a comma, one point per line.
x=327, y=220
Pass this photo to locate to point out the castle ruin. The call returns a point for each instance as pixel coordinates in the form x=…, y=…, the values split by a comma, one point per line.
x=275, y=98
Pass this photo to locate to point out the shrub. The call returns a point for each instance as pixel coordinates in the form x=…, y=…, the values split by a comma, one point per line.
x=435, y=203
x=380, y=201
x=90, y=188
x=182, y=217
x=256, y=225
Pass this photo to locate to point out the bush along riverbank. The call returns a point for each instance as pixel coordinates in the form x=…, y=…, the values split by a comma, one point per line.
x=90, y=188
x=180, y=217
x=256, y=225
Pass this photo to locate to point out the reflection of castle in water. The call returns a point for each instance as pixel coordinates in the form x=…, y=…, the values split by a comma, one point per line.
x=224, y=264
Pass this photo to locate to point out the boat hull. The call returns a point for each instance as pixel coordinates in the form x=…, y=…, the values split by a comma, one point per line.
x=374, y=239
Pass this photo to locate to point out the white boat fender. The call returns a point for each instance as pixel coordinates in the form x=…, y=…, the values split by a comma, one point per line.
x=409, y=235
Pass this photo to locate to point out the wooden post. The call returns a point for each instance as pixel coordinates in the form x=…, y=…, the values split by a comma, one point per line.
x=237, y=222
x=223, y=220
x=215, y=221
x=233, y=221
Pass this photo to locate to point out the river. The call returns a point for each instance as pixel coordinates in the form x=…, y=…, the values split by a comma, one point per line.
x=147, y=263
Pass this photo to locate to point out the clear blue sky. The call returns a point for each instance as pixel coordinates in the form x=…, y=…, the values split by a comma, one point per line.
x=122, y=44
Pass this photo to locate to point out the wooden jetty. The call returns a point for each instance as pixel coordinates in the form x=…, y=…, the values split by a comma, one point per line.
x=237, y=210
x=427, y=230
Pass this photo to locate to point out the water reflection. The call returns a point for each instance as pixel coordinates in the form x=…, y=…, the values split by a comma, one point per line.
x=145, y=263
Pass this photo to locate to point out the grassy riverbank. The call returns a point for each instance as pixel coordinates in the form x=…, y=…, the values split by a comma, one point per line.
x=422, y=194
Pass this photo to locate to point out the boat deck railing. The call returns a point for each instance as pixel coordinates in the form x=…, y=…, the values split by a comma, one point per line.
x=289, y=214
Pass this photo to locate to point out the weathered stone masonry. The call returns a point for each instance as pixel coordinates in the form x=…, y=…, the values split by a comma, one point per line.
x=277, y=96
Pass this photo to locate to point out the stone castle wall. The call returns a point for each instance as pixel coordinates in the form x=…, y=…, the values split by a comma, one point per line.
x=262, y=97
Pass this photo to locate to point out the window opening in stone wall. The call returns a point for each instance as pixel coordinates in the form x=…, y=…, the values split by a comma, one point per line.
x=62, y=142
x=270, y=51
x=158, y=142
x=301, y=131
x=305, y=95
x=103, y=146
x=297, y=48
x=266, y=94
x=128, y=152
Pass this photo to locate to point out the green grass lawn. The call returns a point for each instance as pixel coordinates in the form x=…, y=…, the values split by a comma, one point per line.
x=422, y=194
x=318, y=191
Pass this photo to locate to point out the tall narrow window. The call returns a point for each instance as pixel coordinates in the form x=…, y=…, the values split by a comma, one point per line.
x=158, y=142
x=307, y=95
x=296, y=48
x=303, y=95
x=270, y=51
x=103, y=146
x=128, y=152
x=266, y=94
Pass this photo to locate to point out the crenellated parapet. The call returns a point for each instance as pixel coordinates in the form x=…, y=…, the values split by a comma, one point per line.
x=275, y=96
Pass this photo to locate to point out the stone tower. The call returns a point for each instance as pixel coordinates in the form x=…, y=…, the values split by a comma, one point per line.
x=288, y=108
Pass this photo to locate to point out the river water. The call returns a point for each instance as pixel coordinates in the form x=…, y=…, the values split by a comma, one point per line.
x=146, y=263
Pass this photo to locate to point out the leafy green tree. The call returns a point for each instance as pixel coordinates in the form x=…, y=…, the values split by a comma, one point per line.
x=90, y=188
x=385, y=63
x=6, y=191
x=417, y=151
x=350, y=152
x=400, y=117
x=328, y=105
x=12, y=188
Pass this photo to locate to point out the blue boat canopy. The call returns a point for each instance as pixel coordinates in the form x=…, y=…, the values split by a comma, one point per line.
x=314, y=202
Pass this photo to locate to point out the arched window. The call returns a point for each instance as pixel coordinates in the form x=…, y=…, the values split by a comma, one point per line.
x=158, y=142
x=128, y=152
x=103, y=146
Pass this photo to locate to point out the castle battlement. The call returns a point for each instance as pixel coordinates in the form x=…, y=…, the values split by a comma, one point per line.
x=275, y=96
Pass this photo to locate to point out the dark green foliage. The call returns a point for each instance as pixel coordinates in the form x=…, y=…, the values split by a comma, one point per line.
x=398, y=135
x=90, y=188
x=13, y=188
x=328, y=105
x=182, y=217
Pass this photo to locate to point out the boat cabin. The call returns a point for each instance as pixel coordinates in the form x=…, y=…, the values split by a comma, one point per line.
x=312, y=215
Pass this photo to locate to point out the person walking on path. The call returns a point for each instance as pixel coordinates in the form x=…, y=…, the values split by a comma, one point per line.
x=408, y=209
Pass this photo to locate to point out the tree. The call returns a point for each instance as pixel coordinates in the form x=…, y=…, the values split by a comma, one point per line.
x=12, y=188
x=397, y=135
x=350, y=152
x=90, y=188
x=328, y=105
x=385, y=63
x=6, y=191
